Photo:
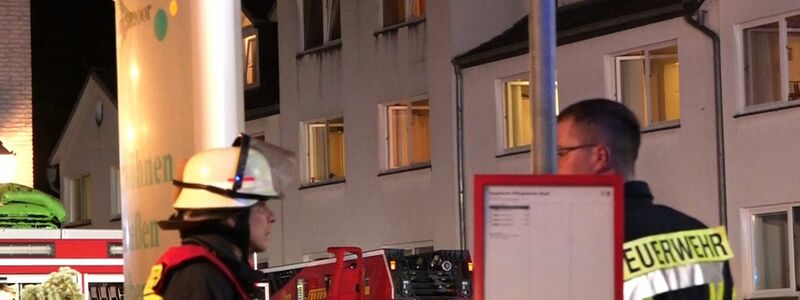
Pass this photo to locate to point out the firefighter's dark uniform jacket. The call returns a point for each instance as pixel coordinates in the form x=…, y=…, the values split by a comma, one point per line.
x=669, y=255
x=200, y=278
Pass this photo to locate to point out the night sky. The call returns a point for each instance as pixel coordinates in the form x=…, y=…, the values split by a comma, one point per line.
x=68, y=39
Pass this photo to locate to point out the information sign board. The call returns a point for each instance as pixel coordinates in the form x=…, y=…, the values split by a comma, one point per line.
x=548, y=237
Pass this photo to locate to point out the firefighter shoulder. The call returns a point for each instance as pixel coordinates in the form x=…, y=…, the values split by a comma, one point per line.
x=217, y=185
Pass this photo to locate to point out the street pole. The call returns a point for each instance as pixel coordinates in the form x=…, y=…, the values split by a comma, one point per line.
x=542, y=45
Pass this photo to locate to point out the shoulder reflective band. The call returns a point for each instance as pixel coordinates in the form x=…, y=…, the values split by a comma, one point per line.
x=668, y=250
x=152, y=280
x=677, y=278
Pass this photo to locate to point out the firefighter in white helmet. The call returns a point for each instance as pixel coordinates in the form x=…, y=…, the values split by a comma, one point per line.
x=222, y=217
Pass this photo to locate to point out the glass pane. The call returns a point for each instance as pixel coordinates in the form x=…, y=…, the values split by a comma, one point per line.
x=86, y=198
x=398, y=119
x=762, y=64
x=771, y=251
x=420, y=131
x=665, y=104
x=793, y=50
x=336, y=148
x=426, y=249
x=251, y=60
x=116, y=205
x=316, y=151
x=518, y=113
x=245, y=21
x=335, y=26
x=75, y=200
x=632, y=86
x=394, y=12
x=312, y=19
x=417, y=8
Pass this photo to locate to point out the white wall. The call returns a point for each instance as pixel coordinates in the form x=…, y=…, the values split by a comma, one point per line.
x=679, y=163
x=366, y=70
x=759, y=148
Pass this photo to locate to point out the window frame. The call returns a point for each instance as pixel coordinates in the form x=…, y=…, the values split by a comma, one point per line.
x=72, y=185
x=327, y=26
x=409, y=17
x=250, y=32
x=617, y=58
x=412, y=248
x=742, y=58
x=748, y=217
x=115, y=193
x=306, y=164
x=385, y=127
x=502, y=114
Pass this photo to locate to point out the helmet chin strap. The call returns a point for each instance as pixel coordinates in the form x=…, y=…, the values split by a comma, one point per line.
x=242, y=230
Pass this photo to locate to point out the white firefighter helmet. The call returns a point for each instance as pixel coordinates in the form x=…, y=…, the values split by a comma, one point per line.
x=233, y=177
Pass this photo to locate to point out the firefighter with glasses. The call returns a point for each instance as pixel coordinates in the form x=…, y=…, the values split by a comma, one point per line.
x=667, y=254
x=222, y=216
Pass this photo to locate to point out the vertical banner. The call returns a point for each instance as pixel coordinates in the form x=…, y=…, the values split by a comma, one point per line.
x=179, y=91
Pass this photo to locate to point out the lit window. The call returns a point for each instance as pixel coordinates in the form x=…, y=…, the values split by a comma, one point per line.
x=772, y=65
x=401, y=11
x=250, y=47
x=517, y=113
x=408, y=133
x=326, y=150
x=648, y=84
x=116, y=204
x=321, y=22
x=80, y=198
x=773, y=263
x=516, y=107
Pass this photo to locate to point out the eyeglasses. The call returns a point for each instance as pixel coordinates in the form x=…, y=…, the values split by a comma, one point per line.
x=561, y=151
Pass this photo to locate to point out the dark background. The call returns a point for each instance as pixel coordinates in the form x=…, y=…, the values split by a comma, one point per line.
x=68, y=38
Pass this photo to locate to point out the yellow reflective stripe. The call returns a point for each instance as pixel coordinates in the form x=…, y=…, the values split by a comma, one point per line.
x=152, y=281
x=716, y=290
x=661, y=251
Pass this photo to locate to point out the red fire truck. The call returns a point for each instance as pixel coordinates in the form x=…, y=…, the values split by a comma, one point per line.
x=379, y=274
x=28, y=256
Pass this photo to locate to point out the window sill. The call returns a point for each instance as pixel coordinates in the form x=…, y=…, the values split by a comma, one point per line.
x=662, y=126
x=322, y=183
x=325, y=47
x=394, y=27
x=767, y=107
x=408, y=168
x=514, y=151
x=78, y=223
x=773, y=295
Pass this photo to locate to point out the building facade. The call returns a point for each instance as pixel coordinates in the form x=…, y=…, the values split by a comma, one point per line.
x=370, y=90
x=16, y=96
x=86, y=157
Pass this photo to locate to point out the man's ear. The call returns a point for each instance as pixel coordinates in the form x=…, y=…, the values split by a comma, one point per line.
x=602, y=159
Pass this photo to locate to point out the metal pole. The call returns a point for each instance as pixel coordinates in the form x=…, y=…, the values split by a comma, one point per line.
x=542, y=45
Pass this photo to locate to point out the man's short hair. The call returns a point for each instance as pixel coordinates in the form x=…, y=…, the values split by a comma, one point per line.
x=618, y=125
